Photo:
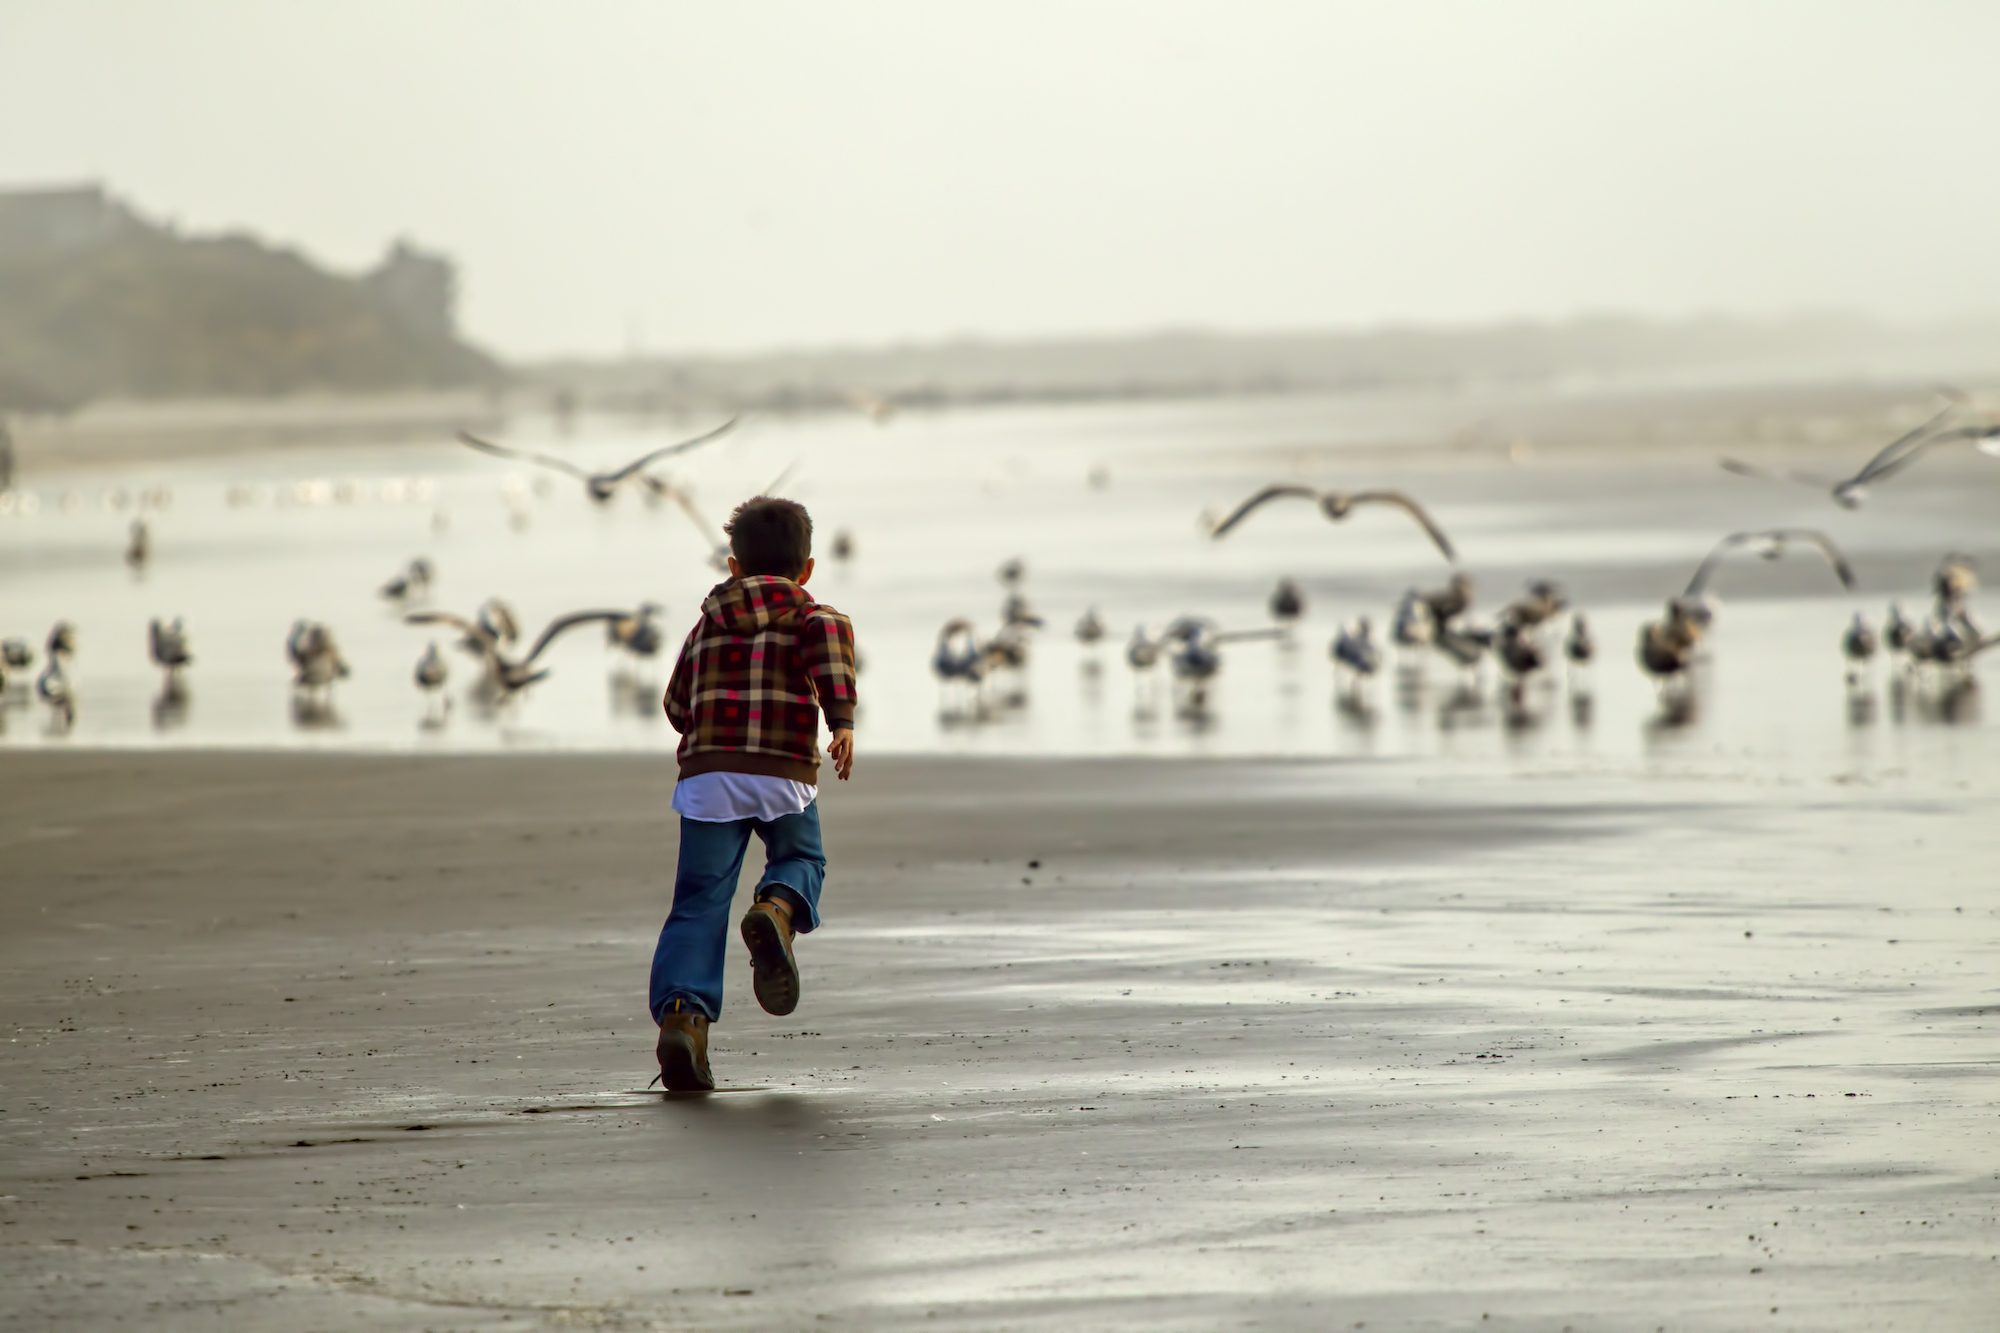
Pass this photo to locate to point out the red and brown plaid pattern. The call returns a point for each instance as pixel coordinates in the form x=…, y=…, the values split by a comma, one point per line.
x=756, y=672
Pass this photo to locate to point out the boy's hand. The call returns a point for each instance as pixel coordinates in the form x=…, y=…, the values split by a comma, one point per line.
x=841, y=751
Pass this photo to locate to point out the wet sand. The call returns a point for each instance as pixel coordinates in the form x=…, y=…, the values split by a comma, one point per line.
x=350, y=1041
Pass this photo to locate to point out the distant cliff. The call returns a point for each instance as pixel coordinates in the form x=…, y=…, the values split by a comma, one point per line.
x=96, y=302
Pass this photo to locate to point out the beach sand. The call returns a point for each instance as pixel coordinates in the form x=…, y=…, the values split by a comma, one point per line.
x=351, y=1041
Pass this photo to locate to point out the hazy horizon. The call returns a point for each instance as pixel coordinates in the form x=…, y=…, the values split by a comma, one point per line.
x=669, y=179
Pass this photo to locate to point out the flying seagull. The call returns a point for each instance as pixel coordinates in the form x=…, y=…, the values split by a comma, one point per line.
x=1771, y=544
x=1337, y=505
x=510, y=674
x=600, y=486
x=1899, y=453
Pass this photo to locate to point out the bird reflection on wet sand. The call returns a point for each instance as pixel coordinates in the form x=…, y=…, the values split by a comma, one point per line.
x=170, y=705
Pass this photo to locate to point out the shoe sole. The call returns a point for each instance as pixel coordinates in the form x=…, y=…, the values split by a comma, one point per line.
x=774, y=972
x=679, y=1071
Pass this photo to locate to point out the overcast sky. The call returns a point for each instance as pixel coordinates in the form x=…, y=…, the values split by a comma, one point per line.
x=741, y=175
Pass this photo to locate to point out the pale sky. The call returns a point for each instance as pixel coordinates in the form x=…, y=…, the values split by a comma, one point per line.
x=710, y=177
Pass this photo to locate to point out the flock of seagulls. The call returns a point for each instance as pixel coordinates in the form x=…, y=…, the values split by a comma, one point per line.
x=1527, y=638
x=490, y=635
x=1528, y=641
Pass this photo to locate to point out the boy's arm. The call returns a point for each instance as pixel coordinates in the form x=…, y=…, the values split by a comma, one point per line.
x=827, y=649
x=680, y=688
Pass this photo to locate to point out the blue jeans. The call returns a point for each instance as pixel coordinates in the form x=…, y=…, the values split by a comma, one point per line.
x=687, y=963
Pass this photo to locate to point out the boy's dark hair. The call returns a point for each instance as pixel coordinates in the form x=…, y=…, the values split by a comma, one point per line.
x=770, y=536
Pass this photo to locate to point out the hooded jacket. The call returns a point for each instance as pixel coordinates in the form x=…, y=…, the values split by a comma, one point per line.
x=757, y=670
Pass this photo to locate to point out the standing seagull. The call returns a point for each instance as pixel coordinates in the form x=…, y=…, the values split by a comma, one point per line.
x=599, y=486
x=53, y=688
x=413, y=581
x=1089, y=629
x=1356, y=650
x=1579, y=647
x=1858, y=647
x=316, y=659
x=432, y=670
x=1337, y=505
x=169, y=648
x=1288, y=602
x=139, y=548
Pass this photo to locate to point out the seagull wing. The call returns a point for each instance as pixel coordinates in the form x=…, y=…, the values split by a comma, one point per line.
x=1824, y=544
x=466, y=437
x=1414, y=510
x=781, y=478
x=1269, y=493
x=696, y=517
x=668, y=451
x=1915, y=451
x=459, y=623
x=1910, y=442
x=1706, y=569
x=1818, y=540
x=568, y=622
x=1743, y=469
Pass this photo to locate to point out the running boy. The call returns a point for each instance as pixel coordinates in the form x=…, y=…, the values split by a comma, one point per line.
x=758, y=670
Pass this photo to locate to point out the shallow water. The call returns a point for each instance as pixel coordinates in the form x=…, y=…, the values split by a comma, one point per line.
x=245, y=545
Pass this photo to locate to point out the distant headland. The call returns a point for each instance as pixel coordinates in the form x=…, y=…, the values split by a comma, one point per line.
x=98, y=301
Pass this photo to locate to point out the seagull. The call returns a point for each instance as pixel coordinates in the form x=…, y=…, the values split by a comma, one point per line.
x=1953, y=584
x=1287, y=603
x=1905, y=449
x=507, y=674
x=432, y=670
x=1771, y=545
x=496, y=624
x=316, y=659
x=843, y=545
x=1089, y=629
x=1897, y=629
x=1012, y=571
x=599, y=486
x=1411, y=627
x=1858, y=644
x=1356, y=649
x=637, y=633
x=15, y=654
x=1337, y=505
x=139, y=549
x=1666, y=646
x=1449, y=602
x=62, y=640
x=1142, y=653
x=1544, y=602
x=958, y=655
x=413, y=581
x=53, y=688
x=1579, y=647
x=169, y=647
x=1015, y=613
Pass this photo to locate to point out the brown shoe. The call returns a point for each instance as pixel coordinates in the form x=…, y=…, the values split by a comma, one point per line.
x=767, y=929
x=683, y=1050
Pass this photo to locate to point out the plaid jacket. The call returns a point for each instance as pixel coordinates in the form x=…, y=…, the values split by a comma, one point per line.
x=756, y=671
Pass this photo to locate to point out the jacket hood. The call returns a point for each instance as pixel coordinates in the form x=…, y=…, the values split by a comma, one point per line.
x=751, y=605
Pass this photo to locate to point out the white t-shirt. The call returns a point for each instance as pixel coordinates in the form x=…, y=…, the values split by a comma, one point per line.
x=720, y=798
